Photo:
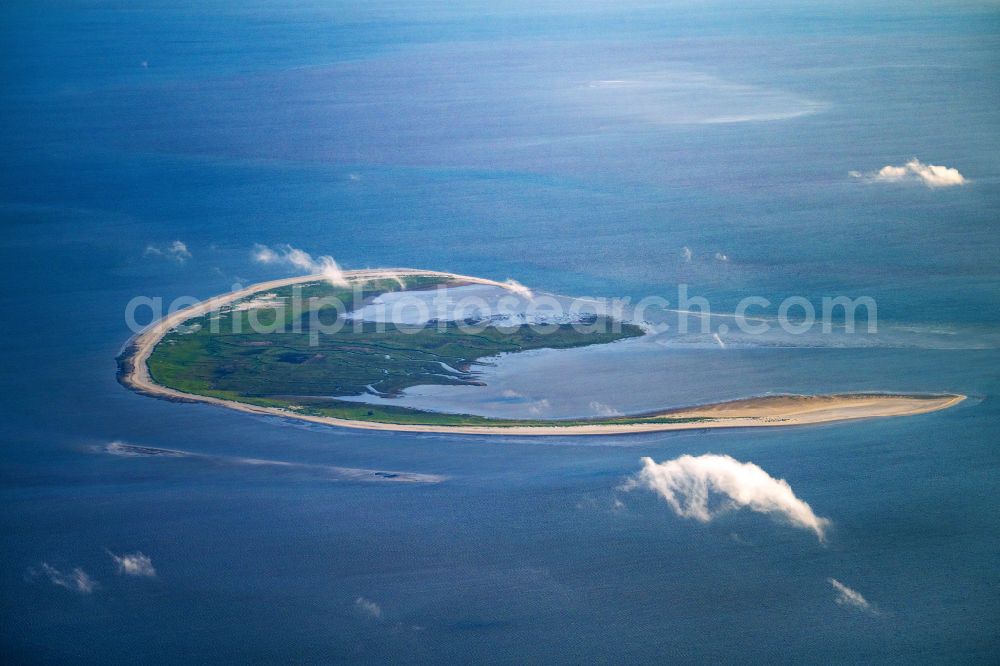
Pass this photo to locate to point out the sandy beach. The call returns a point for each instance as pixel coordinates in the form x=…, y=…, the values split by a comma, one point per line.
x=765, y=411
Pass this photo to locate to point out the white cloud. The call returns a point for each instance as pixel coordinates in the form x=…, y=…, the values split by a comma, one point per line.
x=852, y=598
x=535, y=407
x=721, y=257
x=739, y=539
x=392, y=275
x=602, y=409
x=177, y=251
x=687, y=254
x=368, y=607
x=931, y=175
x=301, y=260
x=134, y=564
x=688, y=483
x=519, y=289
x=539, y=406
x=76, y=580
x=262, y=254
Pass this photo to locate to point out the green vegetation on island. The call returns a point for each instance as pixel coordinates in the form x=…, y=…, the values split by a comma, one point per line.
x=293, y=349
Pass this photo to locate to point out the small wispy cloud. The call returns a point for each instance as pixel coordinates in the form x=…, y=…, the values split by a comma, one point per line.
x=737, y=538
x=602, y=409
x=301, y=260
x=76, y=580
x=690, y=483
x=539, y=406
x=931, y=175
x=368, y=608
x=686, y=253
x=125, y=450
x=134, y=564
x=601, y=504
x=536, y=407
x=519, y=289
x=176, y=251
x=851, y=598
x=719, y=256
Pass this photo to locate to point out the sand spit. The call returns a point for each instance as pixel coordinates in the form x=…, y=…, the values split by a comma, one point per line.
x=765, y=411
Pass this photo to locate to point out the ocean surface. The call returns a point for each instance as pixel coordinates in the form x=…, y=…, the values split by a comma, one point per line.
x=578, y=148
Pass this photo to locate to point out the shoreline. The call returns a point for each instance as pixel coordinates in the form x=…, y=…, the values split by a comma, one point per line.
x=765, y=411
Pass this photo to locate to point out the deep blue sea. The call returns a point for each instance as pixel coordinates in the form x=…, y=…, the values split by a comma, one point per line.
x=577, y=148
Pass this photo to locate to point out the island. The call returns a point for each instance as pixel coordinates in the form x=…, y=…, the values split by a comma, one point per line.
x=250, y=350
